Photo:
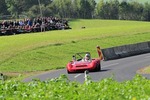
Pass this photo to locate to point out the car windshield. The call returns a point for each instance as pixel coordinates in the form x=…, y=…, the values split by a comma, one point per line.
x=80, y=56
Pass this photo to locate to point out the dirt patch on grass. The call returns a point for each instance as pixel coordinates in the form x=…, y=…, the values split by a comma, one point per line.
x=21, y=75
x=15, y=74
x=145, y=70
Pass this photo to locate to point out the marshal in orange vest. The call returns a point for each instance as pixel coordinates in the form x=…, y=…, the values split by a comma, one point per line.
x=100, y=53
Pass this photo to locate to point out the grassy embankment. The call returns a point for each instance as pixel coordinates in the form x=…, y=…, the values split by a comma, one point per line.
x=52, y=50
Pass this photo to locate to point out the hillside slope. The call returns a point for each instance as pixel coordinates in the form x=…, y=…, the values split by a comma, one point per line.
x=53, y=49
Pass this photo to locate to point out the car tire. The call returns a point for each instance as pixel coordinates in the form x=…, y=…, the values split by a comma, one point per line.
x=68, y=72
x=98, y=67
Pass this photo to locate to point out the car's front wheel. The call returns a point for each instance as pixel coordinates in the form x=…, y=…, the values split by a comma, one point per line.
x=68, y=72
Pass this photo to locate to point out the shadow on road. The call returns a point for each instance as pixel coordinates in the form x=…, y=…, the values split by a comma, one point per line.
x=103, y=70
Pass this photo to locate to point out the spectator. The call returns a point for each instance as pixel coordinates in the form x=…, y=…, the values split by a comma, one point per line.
x=38, y=24
x=21, y=23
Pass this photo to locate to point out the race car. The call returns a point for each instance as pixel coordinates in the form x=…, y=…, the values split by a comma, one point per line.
x=83, y=61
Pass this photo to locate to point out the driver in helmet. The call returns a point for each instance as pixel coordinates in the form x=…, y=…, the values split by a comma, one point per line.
x=87, y=57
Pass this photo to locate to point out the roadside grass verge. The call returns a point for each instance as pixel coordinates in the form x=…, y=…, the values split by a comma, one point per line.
x=52, y=50
x=145, y=70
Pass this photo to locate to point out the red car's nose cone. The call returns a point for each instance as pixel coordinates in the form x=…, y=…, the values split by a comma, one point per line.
x=80, y=64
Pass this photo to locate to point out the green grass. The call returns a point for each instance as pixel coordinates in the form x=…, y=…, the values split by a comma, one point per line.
x=62, y=89
x=52, y=50
x=145, y=70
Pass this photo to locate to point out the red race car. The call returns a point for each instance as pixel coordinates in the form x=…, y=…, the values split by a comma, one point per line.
x=83, y=61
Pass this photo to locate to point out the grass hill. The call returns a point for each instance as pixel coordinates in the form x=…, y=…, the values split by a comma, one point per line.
x=53, y=49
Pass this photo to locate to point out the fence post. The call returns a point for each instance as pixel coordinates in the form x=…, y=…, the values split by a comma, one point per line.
x=1, y=77
x=86, y=72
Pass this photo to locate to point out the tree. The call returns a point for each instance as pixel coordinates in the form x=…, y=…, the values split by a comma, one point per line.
x=136, y=10
x=66, y=8
x=114, y=9
x=92, y=7
x=146, y=12
x=34, y=11
x=104, y=9
x=99, y=9
x=75, y=9
x=87, y=8
x=17, y=7
x=13, y=7
x=3, y=8
x=124, y=8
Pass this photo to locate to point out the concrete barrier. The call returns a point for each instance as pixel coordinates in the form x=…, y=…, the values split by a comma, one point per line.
x=149, y=44
x=143, y=47
x=126, y=50
x=109, y=54
x=121, y=51
x=132, y=49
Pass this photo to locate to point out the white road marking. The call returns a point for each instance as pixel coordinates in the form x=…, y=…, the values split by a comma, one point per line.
x=111, y=65
x=77, y=76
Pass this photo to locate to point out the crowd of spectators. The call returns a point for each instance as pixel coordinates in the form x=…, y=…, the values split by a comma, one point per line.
x=27, y=25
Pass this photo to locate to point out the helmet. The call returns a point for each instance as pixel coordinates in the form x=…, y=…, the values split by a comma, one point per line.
x=87, y=56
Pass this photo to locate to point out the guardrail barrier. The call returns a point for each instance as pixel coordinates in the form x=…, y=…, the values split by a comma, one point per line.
x=126, y=50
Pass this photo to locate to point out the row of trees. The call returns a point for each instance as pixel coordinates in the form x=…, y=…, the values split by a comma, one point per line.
x=104, y=9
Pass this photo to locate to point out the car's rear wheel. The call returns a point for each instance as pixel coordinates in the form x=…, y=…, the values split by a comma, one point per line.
x=98, y=67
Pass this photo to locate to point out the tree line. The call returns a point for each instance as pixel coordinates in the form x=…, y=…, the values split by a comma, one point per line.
x=86, y=9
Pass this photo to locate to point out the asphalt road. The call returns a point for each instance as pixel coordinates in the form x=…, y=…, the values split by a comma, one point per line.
x=121, y=70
